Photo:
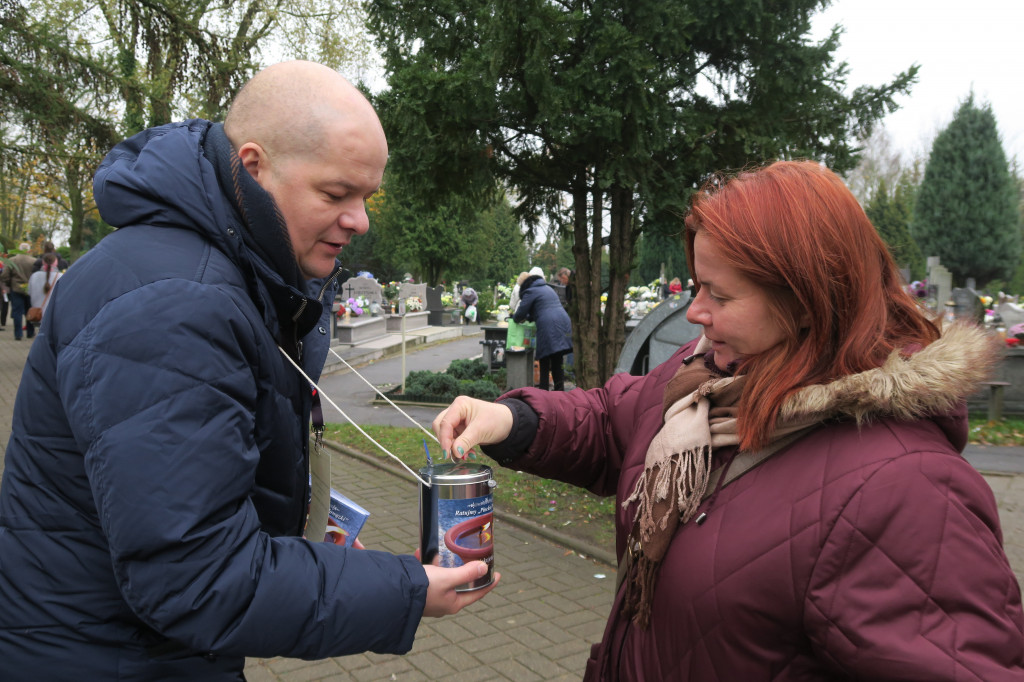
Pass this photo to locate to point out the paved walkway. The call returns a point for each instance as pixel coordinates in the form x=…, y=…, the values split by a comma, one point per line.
x=554, y=597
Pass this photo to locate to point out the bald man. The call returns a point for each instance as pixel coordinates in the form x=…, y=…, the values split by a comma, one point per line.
x=156, y=480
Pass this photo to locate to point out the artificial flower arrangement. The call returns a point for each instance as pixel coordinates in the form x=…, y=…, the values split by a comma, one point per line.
x=501, y=314
x=447, y=299
x=355, y=306
x=413, y=304
x=390, y=291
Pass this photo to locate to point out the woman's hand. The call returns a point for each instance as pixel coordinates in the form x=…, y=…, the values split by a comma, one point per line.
x=442, y=599
x=469, y=422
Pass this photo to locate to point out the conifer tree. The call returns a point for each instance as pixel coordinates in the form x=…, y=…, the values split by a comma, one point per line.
x=966, y=210
x=890, y=211
x=596, y=115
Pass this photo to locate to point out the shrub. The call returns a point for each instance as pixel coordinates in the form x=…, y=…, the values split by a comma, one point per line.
x=427, y=385
x=471, y=369
x=482, y=389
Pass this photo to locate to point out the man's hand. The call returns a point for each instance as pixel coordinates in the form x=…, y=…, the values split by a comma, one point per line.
x=442, y=599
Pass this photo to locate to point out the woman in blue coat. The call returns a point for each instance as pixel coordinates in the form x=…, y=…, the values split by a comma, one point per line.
x=539, y=303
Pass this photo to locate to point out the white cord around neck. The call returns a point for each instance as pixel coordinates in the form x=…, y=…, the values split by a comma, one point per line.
x=367, y=382
x=352, y=422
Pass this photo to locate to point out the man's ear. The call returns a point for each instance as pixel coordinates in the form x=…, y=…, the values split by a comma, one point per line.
x=254, y=159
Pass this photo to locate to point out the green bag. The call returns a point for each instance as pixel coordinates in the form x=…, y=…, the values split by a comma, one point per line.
x=521, y=335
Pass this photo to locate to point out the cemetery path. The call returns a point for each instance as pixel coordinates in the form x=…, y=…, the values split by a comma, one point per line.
x=355, y=397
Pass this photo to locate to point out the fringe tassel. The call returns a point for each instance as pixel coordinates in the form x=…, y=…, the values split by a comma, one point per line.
x=639, y=596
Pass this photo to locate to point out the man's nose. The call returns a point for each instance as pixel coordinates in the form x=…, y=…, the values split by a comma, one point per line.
x=356, y=220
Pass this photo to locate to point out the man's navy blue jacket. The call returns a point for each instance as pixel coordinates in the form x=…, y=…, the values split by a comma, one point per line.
x=156, y=478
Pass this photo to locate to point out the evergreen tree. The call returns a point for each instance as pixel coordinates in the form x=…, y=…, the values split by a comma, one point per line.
x=658, y=248
x=891, y=211
x=507, y=251
x=967, y=207
x=597, y=113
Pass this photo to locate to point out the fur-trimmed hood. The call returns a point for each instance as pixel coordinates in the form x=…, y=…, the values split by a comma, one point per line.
x=932, y=381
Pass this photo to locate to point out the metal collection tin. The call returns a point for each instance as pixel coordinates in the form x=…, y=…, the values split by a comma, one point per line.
x=456, y=517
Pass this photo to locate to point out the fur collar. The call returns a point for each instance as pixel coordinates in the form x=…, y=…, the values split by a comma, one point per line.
x=932, y=381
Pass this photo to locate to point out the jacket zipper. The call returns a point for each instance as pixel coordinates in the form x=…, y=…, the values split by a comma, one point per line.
x=302, y=307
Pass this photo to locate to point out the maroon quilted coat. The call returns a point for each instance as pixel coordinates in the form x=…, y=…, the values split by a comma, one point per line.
x=856, y=553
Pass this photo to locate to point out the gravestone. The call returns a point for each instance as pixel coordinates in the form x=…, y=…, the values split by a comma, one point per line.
x=560, y=290
x=360, y=329
x=942, y=280
x=1011, y=313
x=413, y=321
x=408, y=290
x=658, y=335
x=967, y=305
x=435, y=309
x=362, y=286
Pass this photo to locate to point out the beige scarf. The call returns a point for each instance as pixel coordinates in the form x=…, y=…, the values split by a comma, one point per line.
x=700, y=415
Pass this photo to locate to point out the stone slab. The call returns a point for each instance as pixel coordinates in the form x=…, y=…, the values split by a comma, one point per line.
x=360, y=329
x=412, y=321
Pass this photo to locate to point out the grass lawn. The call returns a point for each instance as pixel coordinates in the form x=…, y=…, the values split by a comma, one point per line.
x=563, y=507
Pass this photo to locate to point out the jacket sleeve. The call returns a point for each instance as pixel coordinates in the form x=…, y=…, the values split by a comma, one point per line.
x=912, y=582
x=164, y=411
x=523, y=310
x=582, y=436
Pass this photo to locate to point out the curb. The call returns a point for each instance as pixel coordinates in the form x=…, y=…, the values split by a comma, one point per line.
x=550, y=534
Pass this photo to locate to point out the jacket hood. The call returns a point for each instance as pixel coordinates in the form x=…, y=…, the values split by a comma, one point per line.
x=159, y=177
x=529, y=282
x=931, y=383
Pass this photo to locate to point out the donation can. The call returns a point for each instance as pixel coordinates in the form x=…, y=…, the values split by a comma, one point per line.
x=457, y=517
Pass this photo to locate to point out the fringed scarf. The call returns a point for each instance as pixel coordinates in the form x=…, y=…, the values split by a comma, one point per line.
x=699, y=416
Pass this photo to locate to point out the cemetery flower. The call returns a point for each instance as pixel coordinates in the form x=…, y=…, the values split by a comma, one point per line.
x=1016, y=331
x=447, y=299
x=358, y=305
x=390, y=291
x=413, y=304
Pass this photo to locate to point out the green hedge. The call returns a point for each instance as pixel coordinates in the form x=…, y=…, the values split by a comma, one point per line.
x=463, y=377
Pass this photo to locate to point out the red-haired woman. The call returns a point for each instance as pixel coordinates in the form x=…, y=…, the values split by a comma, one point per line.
x=793, y=504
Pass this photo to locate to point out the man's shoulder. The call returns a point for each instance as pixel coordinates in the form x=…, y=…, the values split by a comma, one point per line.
x=142, y=254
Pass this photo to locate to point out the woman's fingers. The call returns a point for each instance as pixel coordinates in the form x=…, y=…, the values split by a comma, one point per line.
x=469, y=422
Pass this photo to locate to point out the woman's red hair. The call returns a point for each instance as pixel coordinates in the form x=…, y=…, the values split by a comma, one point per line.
x=796, y=229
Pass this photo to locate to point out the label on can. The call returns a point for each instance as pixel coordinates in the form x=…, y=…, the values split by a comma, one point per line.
x=465, y=530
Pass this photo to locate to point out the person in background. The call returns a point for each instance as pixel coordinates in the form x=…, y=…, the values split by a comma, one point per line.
x=675, y=286
x=14, y=277
x=48, y=247
x=156, y=482
x=515, y=298
x=564, y=277
x=539, y=303
x=468, y=300
x=41, y=283
x=792, y=503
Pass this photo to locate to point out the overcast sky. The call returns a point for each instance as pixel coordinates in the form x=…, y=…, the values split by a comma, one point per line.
x=958, y=45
